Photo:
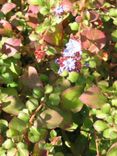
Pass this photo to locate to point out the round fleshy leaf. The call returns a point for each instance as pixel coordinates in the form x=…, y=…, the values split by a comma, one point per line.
x=114, y=35
x=70, y=99
x=113, y=12
x=114, y=102
x=3, y=125
x=2, y=151
x=8, y=144
x=7, y=7
x=55, y=38
x=22, y=149
x=101, y=115
x=30, y=78
x=11, y=46
x=93, y=97
x=12, y=133
x=38, y=93
x=53, y=118
x=54, y=99
x=36, y=2
x=106, y=108
x=74, y=26
x=11, y=151
x=17, y=124
x=33, y=135
x=115, y=85
x=110, y=133
x=48, y=89
x=93, y=40
x=11, y=102
x=5, y=28
x=73, y=76
x=100, y=125
x=31, y=104
x=24, y=116
x=53, y=133
x=59, y=154
x=112, y=150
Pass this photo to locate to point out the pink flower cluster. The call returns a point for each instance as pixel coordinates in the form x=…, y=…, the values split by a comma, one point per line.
x=71, y=57
x=40, y=53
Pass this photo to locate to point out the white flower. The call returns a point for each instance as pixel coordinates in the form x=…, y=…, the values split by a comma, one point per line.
x=59, y=10
x=61, y=69
x=69, y=64
x=72, y=47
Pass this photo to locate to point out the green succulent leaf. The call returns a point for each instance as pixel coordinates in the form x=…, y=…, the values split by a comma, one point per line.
x=11, y=151
x=48, y=89
x=53, y=118
x=38, y=93
x=31, y=104
x=3, y=125
x=114, y=35
x=113, y=12
x=2, y=151
x=36, y=2
x=53, y=133
x=17, y=124
x=93, y=97
x=22, y=149
x=44, y=10
x=100, y=125
x=110, y=133
x=11, y=133
x=106, y=108
x=114, y=102
x=113, y=150
x=11, y=101
x=24, y=115
x=73, y=76
x=33, y=135
x=54, y=99
x=74, y=26
x=70, y=99
x=8, y=144
x=115, y=85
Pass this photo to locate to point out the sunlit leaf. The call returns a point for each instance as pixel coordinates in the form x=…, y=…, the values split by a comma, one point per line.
x=93, y=40
x=17, y=124
x=52, y=118
x=7, y=7
x=5, y=28
x=112, y=150
x=8, y=144
x=55, y=38
x=22, y=149
x=70, y=99
x=100, y=125
x=11, y=103
x=30, y=78
x=110, y=133
x=114, y=35
x=36, y=2
x=11, y=46
x=93, y=97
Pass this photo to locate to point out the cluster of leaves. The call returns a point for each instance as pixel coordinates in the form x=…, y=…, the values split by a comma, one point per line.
x=76, y=115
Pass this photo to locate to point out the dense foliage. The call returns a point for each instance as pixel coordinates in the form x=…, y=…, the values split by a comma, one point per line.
x=58, y=69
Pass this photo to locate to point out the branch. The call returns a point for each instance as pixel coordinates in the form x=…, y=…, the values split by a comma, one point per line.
x=97, y=143
x=35, y=112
